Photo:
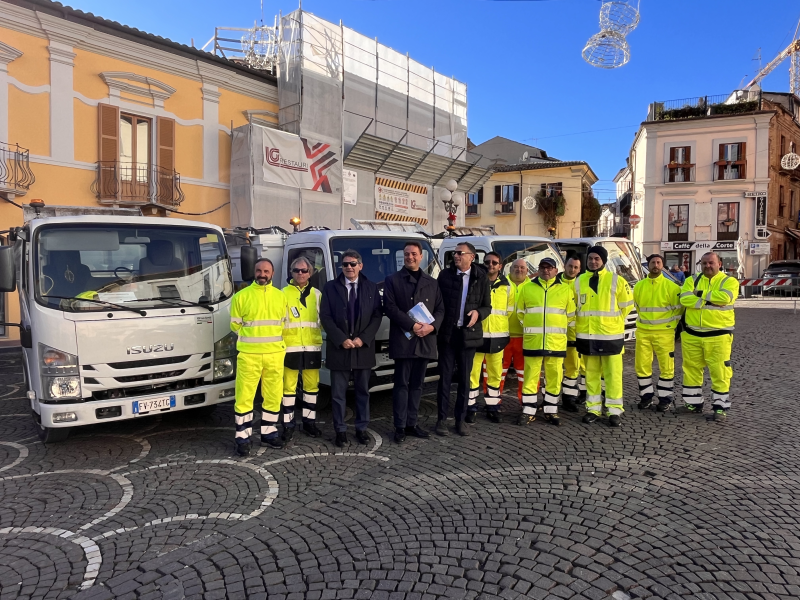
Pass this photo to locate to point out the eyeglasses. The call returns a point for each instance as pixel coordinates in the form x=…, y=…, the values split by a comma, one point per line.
x=303, y=271
x=546, y=266
x=352, y=264
x=462, y=252
x=489, y=263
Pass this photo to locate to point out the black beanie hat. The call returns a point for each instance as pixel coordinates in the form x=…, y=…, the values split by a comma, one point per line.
x=600, y=251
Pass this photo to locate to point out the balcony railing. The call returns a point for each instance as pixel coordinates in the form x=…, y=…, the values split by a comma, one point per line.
x=728, y=171
x=678, y=173
x=16, y=176
x=125, y=183
x=739, y=102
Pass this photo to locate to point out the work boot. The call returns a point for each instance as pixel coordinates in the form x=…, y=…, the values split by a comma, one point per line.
x=720, y=414
x=417, y=431
x=582, y=397
x=243, y=449
x=310, y=428
x=273, y=442
x=288, y=434
x=525, y=419
x=461, y=429
x=441, y=428
x=341, y=439
x=645, y=403
x=553, y=419
x=663, y=406
x=472, y=416
x=614, y=421
x=590, y=418
x=693, y=409
x=493, y=416
x=362, y=437
x=399, y=435
x=569, y=405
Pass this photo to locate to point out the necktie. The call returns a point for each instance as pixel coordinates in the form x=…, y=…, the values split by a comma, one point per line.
x=351, y=306
x=461, y=279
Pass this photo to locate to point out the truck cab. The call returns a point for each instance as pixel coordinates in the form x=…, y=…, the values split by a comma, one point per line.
x=382, y=255
x=121, y=316
x=511, y=247
x=623, y=259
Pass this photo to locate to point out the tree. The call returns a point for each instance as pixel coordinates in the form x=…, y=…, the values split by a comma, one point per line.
x=550, y=206
x=590, y=213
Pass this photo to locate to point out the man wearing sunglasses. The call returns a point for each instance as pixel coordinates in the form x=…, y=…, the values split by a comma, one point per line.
x=495, y=339
x=351, y=314
x=467, y=302
x=303, y=338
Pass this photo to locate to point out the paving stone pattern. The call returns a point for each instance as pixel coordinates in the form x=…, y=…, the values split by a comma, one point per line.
x=665, y=507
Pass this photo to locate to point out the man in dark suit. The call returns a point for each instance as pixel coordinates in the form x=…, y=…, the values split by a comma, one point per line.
x=350, y=312
x=401, y=292
x=467, y=302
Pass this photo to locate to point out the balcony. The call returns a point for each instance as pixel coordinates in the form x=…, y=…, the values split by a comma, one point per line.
x=729, y=170
x=125, y=183
x=16, y=176
x=678, y=173
x=705, y=106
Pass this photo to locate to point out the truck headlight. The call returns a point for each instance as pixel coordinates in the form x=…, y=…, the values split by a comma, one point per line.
x=60, y=376
x=225, y=357
x=223, y=367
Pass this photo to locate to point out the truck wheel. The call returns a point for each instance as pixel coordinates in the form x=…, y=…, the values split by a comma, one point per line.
x=50, y=435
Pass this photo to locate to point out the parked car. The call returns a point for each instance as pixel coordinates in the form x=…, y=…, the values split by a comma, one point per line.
x=783, y=268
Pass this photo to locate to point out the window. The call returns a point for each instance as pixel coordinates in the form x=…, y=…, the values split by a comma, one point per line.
x=731, y=163
x=531, y=252
x=505, y=196
x=382, y=256
x=781, y=202
x=791, y=147
x=783, y=145
x=316, y=258
x=474, y=199
x=680, y=167
x=728, y=221
x=552, y=189
x=678, y=223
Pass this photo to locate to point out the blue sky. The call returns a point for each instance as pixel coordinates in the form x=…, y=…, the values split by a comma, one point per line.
x=521, y=60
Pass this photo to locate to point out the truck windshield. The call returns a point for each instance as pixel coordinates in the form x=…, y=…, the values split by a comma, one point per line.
x=623, y=261
x=381, y=256
x=129, y=265
x=531, y=252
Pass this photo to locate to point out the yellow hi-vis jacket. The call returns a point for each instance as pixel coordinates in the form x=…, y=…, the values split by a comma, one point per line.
x=709, y=304
x=600, y=316
x=658, y=303
x=258, y=314
x=495, y=327
x=302, y=333
x=514, y=324
x=570, y=283
x=547, y=312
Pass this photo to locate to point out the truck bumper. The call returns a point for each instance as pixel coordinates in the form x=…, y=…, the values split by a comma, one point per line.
x=120, y=409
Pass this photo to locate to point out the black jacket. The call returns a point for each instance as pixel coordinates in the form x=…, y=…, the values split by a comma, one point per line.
x=478, y=298
x=401, y=292
x=333, y=316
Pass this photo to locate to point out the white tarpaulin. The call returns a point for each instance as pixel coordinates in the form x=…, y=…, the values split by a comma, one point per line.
x=399, y=201
x=300, y=162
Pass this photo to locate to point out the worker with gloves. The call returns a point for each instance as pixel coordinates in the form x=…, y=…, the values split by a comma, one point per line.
x=707, y=335
x=574, y=387
x=603, y=300
x=657, y=301
x=258, y=315
x=518, y=277
x=495, y=339
x=547, y=310
x=303, y=338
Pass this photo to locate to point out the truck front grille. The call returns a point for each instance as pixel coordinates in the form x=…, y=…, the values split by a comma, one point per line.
x=150, y=362
x=143, y=390
x=150, y=376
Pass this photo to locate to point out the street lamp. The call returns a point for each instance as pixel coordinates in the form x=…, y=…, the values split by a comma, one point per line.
x=452, y=199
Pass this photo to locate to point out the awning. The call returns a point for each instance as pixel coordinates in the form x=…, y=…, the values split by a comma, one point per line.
x=795, y=233
x=395, y=159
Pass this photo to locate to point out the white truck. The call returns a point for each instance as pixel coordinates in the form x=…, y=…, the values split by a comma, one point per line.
x=120, y=315
x=510, y=247
x=380, y=245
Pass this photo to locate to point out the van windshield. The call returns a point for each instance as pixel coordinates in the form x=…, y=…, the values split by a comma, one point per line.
x=381, y=256
x=531, y=252
x=83, y=267
x=623, y=261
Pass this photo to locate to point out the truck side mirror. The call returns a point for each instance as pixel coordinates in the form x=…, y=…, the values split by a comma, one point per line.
x=8, y=274
x=247, y=262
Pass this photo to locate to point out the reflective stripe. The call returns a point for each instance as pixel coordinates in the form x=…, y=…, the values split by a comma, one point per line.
x=595, y=336
x=536, y=310
x=236, y=320
x=683, y=294
x=500, y=313
x=304, y=349
x=626, y=304
x=729, y=307
x=270, y=323
x=613, y=294
x=730, y=293
x=260, y=340
x=539, y=330
x=571, y=314
x=657, y=321
x=599, y=313
x=497, y=334
x=300, y=324
x=646, y=309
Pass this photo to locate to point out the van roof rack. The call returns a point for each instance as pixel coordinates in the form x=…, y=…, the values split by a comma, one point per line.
x=378, y=225
x=477, y=230
x=54, y=210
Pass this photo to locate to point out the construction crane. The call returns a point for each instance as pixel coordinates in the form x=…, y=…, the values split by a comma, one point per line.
x=792, y=51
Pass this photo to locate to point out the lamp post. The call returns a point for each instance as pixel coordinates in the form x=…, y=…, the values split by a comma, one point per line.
x=452, y=199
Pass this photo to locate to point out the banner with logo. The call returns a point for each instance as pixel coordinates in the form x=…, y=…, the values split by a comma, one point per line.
x=398, y=201
x=300, y=162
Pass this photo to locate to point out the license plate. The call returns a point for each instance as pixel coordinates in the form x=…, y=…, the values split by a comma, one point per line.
x=141, y=407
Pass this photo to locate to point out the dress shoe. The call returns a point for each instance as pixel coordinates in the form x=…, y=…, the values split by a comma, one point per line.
x=311, y=429
x=341, y=439
x=590, y=417
x=243, y=449
x=526, y=419
x=461, y=429
x=493, y=416
x=399, y=435
x=570, y=406
x=614, y=421
x=362, y=436
x=441, y=428
x=553, y=419
x=276, y=442
x=417, y=431
x=472, y=416
x=288, y=434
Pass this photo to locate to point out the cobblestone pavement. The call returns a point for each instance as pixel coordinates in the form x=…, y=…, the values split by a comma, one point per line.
x=665, y=507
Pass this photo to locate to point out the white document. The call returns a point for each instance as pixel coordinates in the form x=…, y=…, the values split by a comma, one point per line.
x=420, y=314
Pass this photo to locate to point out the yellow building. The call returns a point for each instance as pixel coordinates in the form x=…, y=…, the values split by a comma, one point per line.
x=522, y=173
x=96, y=113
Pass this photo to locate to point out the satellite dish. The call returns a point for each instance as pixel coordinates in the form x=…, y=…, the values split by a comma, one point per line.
x=529, y=203
x=525, y=156
x=790, y=161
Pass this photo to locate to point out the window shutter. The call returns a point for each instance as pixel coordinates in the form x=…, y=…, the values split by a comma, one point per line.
x=165, y=157
x=688, y=153
x=498, y=194
x=672, y=155
x=108, y=151
x=480, y=196
x=516, y=192
x=743, y=160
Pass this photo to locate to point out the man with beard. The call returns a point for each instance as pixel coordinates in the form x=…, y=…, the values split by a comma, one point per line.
x=258, y=314
x=574, y=390
x=518, y=276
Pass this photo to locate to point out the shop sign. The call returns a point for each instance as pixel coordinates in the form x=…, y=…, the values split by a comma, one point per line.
x=706, y=246
x=759, y=248
x=761, y=211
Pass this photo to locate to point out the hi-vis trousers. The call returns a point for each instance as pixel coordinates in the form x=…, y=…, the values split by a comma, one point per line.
x=310, y=391
x=608, y=369
x=494, y=372
x=553, y=366
x=662, y=343
x=250, y=368
x=513, y=353
x=714, y=353
x=574, y=375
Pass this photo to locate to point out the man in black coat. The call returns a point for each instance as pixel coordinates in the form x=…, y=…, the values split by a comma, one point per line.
x=467, y=302
x=350, y=312
x=411, y=344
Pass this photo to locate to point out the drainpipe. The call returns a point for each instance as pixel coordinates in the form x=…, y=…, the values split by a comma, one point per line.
x=520, y=201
